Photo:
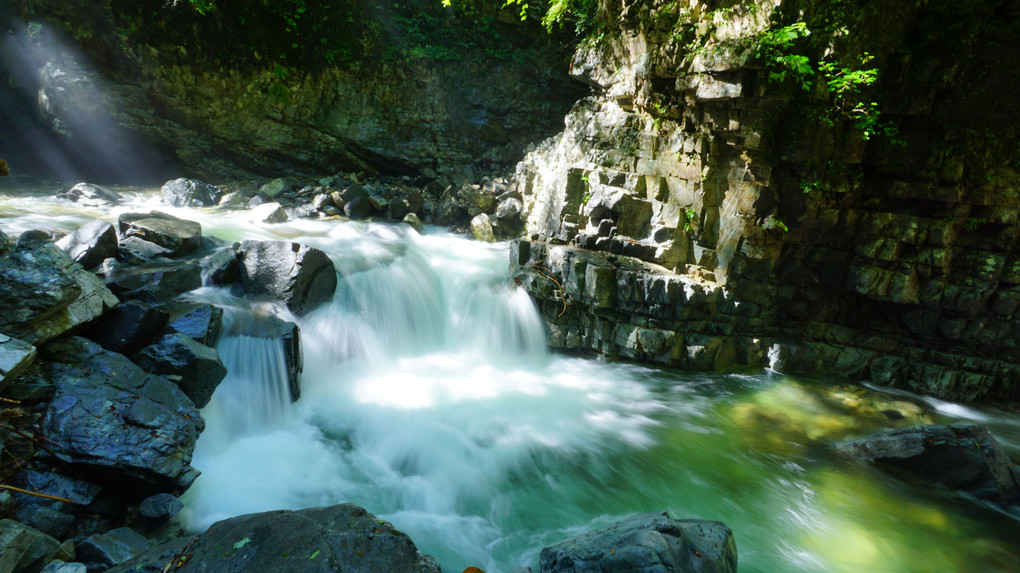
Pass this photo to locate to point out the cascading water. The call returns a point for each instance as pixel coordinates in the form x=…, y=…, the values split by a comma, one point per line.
x=428, y=398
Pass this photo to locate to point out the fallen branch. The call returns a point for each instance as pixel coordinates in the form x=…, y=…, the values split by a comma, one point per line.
x=548, y=274
x=36, y=494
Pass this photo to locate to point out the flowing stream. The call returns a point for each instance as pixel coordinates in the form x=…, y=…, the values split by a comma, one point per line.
x=429, y=398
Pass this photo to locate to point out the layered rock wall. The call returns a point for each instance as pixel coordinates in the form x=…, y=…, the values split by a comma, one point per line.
x=698, y=213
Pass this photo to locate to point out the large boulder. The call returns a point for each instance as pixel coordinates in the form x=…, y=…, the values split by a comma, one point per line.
x=301, y=277
x=117, y=422
x=196, y=367
x=963, y=457
x=46, y=294
x=178, y=235
x=15, y=356
x=199, y=321
x=127, y=328
x=157, y=282
x=649, y=543
x=91, y=243
x=100, y=551
x=91, y=195
x=326, y=539
x=22, y=548
x=189, y=193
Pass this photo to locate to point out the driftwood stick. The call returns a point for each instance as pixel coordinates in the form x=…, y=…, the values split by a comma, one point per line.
x=37, y=494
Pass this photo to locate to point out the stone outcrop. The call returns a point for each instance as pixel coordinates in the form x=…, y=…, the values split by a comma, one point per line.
x=337, y=538
x=184, y=192
x=24, y=548
x=90, y=195
x=179, y=236
x=820, y=247
x=15, y=356
x=300, y=276
x=650, y=543
x=196, y=368
x=91, y=244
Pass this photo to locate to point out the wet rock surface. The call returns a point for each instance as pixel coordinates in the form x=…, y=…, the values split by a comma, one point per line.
x=302, y=277
x=91, y=195
x=649, y=543
x=177, y=235
x=189, y=193
x=90, y=244
x=196, y=368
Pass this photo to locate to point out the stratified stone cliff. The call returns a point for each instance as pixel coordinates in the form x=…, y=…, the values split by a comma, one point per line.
x=698, y=212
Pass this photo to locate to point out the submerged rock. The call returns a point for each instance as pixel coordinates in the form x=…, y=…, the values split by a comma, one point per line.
x=301, y=277
x=125, y=426
x=649, y=543
x=91, y=195
x=91, y=243
x=960, y=456
x=326, y=539
x=189, y=193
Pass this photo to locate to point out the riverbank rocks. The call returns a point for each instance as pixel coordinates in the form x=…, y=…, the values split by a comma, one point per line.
x=15, y=356
x=127, y=328
x=268, y=213
x=46, y=294
x=962, y=457
x=117, y=422
x=196, y=368
x=179, y=236
x=90, y=244
x=301, y=277
x=91, y=195
x=189, y=193
x=23, y=549
x=326, y=539
x=649, y=543
x=199, y=321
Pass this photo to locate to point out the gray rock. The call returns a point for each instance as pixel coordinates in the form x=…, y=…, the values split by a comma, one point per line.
x=197, y=367
x=157, y=282
x=91, y=243
x=180, y=236
x=649, y=543
x=358, y=208
x=161, y=506
x=189, y=193
x=46, y=294
x=5, y=242
x=79, y=492
x=128, y=427
x=268, y=213
x=337, y=538
x=46, y=519
x=198, y=321
x=99, y=552
x=127, y=328
x=58, y=566
x=509, y=211
x=960, y=456
x=91, y=195
x=275, y=187
x=415, y=223
x=23, y=548
x=221, y=267
x=481, y=228
x=448, y=212
x=15, y=356
x=301, y=277
x=135, y=251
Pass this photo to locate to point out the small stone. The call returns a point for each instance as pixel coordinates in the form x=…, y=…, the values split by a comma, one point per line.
x=415, y=223
x=482, y=228
x=268, y=213
x=161, y=506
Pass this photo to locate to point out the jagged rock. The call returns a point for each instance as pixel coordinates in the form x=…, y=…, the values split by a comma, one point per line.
x=481, y=228
x=189, y=193
x=58, y=566
x=91, y=243
x=160, y=507
x=45, y=519
x=301, y=277
x=91, y=195
x=449, y=213
x=222, y=267
x=268, y=213
x=337, y=538
x=54, y=518
x=960, y=456
x=415, y=223
x=99, y=552
x=157, y=283
x=126, y=426
x=275, y=187
x=397, y=208
x=135, y=251
x=180, y=236
x=46, y=294
x=127, y=328
x=15, y=356
x=22, y=548
x=79, y=492
x=509, y=210
x=649, y=543
x=198, y=321
x=197, y=367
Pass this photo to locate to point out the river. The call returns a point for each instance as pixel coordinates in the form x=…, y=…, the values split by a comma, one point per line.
x=429, y=398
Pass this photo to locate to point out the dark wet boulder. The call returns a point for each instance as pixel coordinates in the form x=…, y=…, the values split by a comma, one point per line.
x=221, y=267
x=5, y=242
x=46, y=294
x=199, y=321
x=135, y=251
x=962, y=457
x=90, y=195
x=160, y=507
x=23, y=548
x=58, y=566
x=15, y=356
x=189, y=193
x=119, y=424
x=337, y=538
x=195, y=367
x=91, y=243
x=46, y=519
x=301, y=277
x=52, y=517
x=268, y=213
x=179, y=236
x=157, y=282
x=100, y=551
x=127, y=328
x=649, y=543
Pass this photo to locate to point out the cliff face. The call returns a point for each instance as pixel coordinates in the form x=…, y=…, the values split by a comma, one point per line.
x=267, y=88
x=703, y=211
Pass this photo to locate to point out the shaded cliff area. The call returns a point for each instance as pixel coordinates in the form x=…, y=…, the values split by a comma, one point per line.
x=124, y=88
x=815, y=186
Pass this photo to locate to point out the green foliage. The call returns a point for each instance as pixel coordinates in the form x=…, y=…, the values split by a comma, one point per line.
x=689, y=217
x=972, y=223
